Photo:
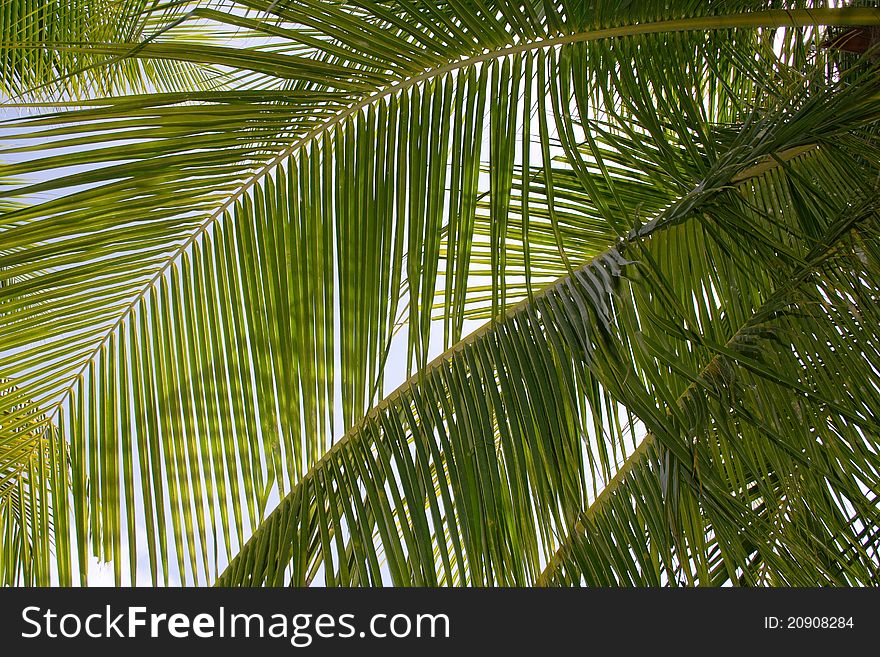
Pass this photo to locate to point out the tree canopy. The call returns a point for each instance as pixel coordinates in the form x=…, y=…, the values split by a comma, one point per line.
x=222, y=220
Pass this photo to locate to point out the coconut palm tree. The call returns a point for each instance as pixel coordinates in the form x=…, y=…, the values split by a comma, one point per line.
x=227, y=226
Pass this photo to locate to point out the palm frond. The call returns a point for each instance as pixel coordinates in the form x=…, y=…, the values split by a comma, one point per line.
x=34, y=490
x=51, y=50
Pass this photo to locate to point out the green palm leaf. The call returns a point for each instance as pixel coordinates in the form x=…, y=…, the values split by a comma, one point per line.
x=51, y=51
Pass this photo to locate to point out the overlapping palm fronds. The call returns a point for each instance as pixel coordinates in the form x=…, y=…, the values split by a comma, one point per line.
x=52, y=49
x=666, y=213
